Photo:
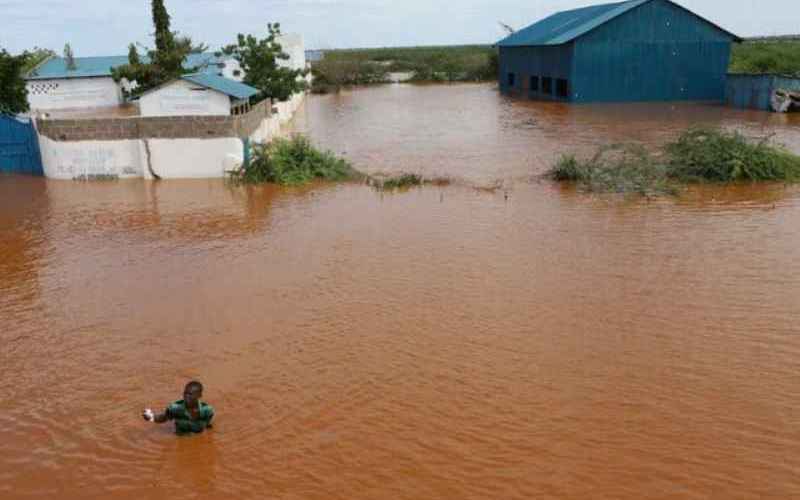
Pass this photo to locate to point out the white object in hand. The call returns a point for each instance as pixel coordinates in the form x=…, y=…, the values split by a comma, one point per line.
x=148, y=413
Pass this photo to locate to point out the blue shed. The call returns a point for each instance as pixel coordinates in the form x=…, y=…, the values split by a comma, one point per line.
x=639, y=50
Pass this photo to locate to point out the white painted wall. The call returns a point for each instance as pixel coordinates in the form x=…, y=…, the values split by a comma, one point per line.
x=71, y=160
x=271, y=127
x=231, y=68
x=181, y=98
x=293, y=45
x=67, y=93
x=168, y=158
x=192, y=158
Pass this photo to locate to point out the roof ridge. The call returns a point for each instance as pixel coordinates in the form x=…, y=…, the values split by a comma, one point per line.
x=565, y=26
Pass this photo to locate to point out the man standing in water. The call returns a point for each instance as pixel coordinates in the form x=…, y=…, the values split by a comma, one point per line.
x=189, y=414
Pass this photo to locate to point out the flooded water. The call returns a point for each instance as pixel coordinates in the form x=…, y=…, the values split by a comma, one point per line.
x=444, y=342
x=470, y=134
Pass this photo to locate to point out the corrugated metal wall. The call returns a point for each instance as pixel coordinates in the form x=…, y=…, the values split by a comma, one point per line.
x=656, y=52
x=621, y=71
x=553, y=62
x=19, y=147
x=755, y=91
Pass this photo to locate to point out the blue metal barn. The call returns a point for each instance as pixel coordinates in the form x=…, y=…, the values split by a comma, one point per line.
x=639, y=50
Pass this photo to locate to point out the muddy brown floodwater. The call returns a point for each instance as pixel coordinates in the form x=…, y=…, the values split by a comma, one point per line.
x=439, y=343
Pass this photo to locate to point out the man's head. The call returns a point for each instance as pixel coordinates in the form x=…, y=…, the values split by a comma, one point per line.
x=192, y=393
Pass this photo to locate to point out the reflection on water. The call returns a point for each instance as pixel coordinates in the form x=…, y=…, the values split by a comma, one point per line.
x=443, y=342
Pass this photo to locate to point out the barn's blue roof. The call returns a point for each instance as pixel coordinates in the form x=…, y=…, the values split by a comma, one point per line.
x=566, y=26
x=88, y=67
x=221, y=84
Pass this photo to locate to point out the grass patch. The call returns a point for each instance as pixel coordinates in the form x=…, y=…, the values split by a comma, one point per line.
x=781, y=57
x=292, y=162
x=698, y=155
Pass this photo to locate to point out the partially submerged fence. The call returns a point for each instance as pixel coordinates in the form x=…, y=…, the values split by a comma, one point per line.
x=758, y=91
x=19, y=146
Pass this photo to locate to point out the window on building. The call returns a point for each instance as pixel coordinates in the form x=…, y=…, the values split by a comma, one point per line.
x=535, y=83
x=511, y=79
x=236, y=72
x=562, y=88
x=547, y=85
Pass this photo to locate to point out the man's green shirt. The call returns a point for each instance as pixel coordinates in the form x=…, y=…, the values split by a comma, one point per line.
x=184, y=423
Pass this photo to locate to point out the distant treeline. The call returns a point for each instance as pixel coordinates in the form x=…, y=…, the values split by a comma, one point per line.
x=429, y=64
x=343, y=67
x=767, y=56
x=778, y=38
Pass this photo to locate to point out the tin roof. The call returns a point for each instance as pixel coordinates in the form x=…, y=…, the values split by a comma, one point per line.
x=221, y=84
x=85, y=67
x=89, y=67
x=566, y=26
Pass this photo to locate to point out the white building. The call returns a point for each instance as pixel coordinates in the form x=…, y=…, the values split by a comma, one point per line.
x=54, y=86
x=292, y=44
x=199, y=94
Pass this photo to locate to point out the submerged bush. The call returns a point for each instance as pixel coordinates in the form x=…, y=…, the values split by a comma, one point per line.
x=703, y=154
x=698, y=155
x=617, y=169
x=291, y=162
x=403, y=181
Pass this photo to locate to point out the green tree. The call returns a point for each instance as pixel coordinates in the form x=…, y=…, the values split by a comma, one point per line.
x=163, y=64
x=13, y=93
x=36, y=57
x=260, y=61
x=69, y=58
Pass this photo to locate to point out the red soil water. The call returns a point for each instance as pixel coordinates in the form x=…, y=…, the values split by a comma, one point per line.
x=443, y=342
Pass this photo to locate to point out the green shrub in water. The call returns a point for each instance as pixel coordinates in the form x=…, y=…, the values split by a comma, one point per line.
x=403, y=181
x=615, y=169
x=698, y=155
x=703, y=154
x=291, y=162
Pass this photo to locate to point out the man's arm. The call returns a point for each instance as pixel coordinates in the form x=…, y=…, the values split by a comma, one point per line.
x=159, y=418
x=210, y=417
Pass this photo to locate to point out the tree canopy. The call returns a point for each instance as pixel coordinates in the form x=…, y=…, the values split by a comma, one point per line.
x=162, y=64
x=13, y=93
x=69, y=57
x=260, y=61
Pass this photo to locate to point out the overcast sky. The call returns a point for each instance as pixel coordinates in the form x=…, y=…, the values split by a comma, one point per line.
x=106, y=27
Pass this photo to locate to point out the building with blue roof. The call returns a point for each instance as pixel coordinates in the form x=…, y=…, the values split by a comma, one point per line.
x=636, y=50
x=55, y=86
x=197, y=94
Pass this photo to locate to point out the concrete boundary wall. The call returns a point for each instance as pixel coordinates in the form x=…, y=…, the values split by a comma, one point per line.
x=157, y=147
x=169, y=127
x=141, y=158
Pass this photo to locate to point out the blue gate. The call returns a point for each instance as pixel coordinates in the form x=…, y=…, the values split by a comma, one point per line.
x=19, y=147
